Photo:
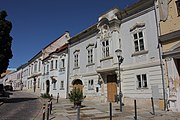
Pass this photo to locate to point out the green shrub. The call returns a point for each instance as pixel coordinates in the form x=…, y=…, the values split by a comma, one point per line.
x=45, y=95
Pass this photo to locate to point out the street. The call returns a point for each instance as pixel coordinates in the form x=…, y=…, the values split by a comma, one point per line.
x=20, y=106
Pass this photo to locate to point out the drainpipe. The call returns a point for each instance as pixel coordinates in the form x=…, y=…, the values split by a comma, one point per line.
x=160, y=55
x=68, y=67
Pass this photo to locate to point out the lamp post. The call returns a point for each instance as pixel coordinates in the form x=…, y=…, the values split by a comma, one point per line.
x=120, y=60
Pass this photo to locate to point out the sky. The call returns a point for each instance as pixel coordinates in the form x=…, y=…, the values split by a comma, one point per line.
x=37, y=23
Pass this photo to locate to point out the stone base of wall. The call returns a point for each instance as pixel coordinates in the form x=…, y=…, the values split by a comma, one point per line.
x=145, y=103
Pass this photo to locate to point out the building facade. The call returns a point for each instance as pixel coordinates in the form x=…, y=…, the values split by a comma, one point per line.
x=94, y=64
x=54, y=76
x=170, y=40
x=34, y=72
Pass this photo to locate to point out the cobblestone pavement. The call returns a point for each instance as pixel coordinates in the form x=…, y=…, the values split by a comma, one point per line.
x=63, y=110
x=20, y=106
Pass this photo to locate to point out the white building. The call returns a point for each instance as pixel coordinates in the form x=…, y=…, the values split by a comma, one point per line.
x=54, y=76
x=57, y=75
x=25, y=69
x=94, y=64
x=34, y=73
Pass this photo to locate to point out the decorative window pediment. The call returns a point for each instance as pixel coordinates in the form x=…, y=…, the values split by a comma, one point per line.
x=90, y=45
x=137, y=25
x=76, y=51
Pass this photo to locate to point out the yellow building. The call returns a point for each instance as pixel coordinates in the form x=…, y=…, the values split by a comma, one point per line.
x=170, y=40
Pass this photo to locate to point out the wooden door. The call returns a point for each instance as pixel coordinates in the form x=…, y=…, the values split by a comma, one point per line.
x=111, y=87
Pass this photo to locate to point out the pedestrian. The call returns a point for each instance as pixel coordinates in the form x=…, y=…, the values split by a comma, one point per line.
x=57, y=97
x=51, y=97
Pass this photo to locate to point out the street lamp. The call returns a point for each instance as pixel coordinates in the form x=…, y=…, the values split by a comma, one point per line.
x=120, y=60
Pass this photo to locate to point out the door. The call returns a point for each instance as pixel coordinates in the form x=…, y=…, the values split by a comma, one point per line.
x=111, y=87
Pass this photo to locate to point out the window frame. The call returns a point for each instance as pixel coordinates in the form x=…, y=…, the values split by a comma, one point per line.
x=142, y=81
x=54, y=86
x=90, y=54
x=138, y=40
x=61, y=85
x=52, y=65
x=105, y=48
x=91, y=84
x=76, y=58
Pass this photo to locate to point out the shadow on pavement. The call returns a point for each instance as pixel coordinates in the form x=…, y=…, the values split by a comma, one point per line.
x=16, y=100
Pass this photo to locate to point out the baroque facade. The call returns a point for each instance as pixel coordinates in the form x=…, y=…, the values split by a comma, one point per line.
x=94, y=64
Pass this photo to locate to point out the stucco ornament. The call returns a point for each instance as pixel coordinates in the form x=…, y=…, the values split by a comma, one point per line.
x=104, y=32
x=104, y=29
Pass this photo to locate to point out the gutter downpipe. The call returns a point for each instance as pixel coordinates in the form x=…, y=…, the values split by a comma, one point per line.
x=68, y=67
x=160, y=54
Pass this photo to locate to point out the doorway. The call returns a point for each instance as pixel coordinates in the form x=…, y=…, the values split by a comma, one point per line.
x=111, y=87
x=47, y=86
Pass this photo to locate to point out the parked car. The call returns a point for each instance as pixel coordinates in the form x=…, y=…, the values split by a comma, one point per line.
x=2, y=90
x=8, y=87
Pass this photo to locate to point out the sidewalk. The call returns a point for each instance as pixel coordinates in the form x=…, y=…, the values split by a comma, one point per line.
x=100, y=111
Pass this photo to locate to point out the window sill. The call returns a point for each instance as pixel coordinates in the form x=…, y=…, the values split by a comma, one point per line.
x=90, y=64
x=76, y=68
x=143, y=88
x=61, y=88
x=106, y=58
x=54, y=89
x=91, y=89
x=139, y=53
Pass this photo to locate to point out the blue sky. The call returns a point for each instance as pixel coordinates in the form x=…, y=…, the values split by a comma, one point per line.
x=36, y=23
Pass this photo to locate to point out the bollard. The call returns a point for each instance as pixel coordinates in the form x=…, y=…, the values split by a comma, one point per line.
x=78, y=112
x=57, y=97
x=153, y=111
x=48, y=108
x=44, y=109
x=110, y=109
x=135, y=110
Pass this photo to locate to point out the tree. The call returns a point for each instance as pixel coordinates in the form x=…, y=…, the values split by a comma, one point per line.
x=5, y=42
x=76, y=96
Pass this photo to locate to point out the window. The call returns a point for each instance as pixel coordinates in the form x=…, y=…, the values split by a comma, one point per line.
x=31, y=84
x=43, y=86
x=39, y=66
x=178, y=7
x=35, y=67
x=62, y=65
x=105, y=48
x=141, y=81
x=44, y=69
x=90, y=85
x=47, y=69
x=52, y=66
x=90, y=56
x=28, y=85
x=56, y=62
x=62, y=85
x=54, y=86
x=31, y=68
x=138, y=41
x=38, y=83
x=76, y=60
